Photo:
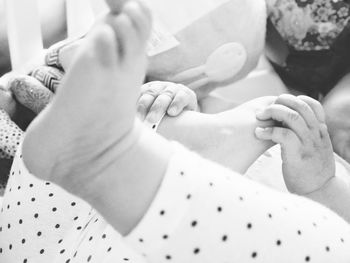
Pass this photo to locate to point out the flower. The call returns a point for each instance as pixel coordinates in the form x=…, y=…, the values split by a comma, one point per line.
x=325, y=28
x=296, y=22
x=343, y=12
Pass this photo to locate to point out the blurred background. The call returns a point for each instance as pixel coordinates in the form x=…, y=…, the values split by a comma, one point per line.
x=53, y=26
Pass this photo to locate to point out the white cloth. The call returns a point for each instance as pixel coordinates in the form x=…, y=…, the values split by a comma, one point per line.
x=202, y=213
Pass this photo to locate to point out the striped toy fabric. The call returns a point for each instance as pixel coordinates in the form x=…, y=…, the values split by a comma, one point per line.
x=33, y=92
x=52, y=58
x=53, y=53
x=49, y=76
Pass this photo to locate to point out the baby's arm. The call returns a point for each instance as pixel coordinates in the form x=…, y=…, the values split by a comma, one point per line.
x=226, y=137
x=335, y=195
x=307, y=154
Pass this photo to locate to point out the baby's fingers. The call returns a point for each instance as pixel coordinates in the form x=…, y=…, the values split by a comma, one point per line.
x=283, y=136
x=159, y=108
x=300, y=106
x=316, y=107
x=184, y=99
x=288, y=117
x=162, y=103
x=144, y=104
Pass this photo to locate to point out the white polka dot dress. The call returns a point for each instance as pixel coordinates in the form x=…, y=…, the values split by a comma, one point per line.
x=205, y=213
x=40, y=222
x=202, y=213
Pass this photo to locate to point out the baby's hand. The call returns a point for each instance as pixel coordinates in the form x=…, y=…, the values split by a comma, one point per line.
x=158, y=98
x=307, y=153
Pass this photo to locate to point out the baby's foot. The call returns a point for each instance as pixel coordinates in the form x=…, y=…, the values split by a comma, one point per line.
x=61, y=55
x=92, y=119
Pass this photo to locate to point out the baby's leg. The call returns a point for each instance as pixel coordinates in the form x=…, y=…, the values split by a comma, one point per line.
x=227, y=138
x=89, y=130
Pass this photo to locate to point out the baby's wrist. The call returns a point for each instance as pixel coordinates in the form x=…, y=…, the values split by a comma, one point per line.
x=328, y=188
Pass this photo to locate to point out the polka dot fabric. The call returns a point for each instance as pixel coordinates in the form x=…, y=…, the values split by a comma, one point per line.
x=202, y=213
x=40, y=222
x=205, y=213
x=10, y=136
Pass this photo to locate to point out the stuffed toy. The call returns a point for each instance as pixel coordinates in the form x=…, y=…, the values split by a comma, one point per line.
x=22, y=97
x=205, y=44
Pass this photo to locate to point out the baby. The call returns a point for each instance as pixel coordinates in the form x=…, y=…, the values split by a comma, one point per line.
x=231, y=137
x=168, y=203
